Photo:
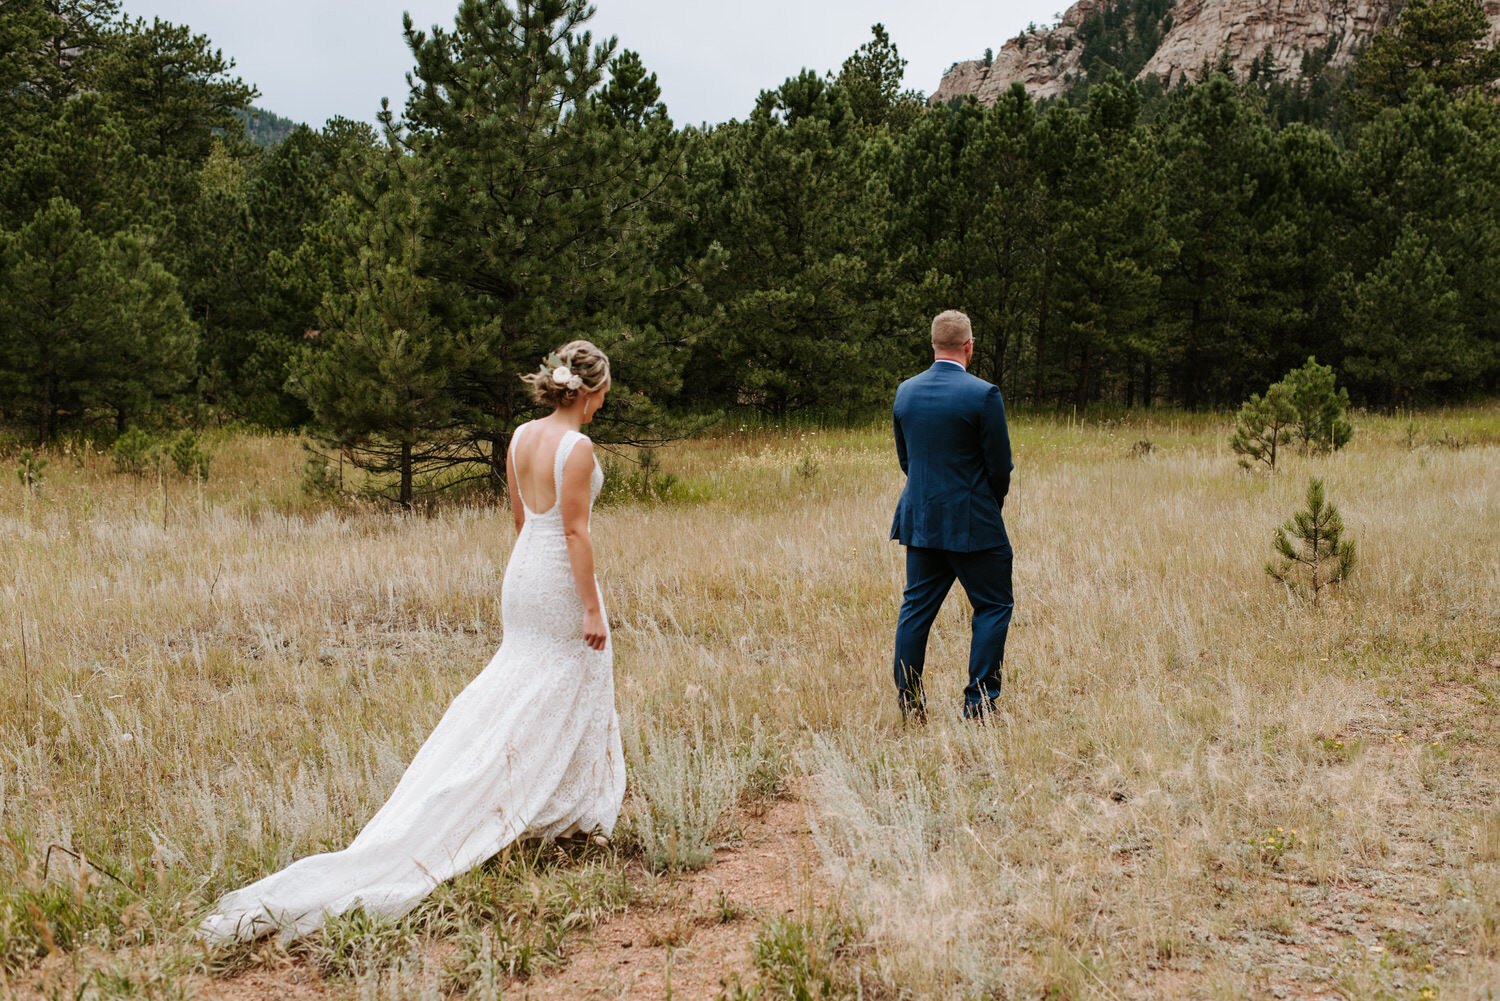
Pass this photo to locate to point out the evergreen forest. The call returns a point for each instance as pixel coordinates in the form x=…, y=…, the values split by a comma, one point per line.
x=172, y=257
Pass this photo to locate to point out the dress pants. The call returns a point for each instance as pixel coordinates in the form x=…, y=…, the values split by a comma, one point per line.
x=986, y=579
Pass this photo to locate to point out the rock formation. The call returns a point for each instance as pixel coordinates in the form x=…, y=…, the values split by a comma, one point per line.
x=1047, y=61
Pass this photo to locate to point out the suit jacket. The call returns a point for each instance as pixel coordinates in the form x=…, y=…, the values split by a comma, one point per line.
x=954, y=448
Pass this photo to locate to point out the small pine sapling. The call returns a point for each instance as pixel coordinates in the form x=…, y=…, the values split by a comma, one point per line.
x=189, y=457
x=1263, y=425
x=29, y=472
x=136, y=452
x=1320, y=555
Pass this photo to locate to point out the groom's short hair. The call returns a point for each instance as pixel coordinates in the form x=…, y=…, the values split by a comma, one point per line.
x=951, y=329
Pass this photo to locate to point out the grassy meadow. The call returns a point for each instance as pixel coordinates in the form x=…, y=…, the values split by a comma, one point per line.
x=1201, y=785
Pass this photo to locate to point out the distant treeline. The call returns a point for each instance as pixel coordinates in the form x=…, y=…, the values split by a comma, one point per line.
x=386, y=290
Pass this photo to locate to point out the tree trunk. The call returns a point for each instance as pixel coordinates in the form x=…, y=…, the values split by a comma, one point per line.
x=499, y=445
x=1194, y=336
x=1041, y=336
x=1081, y=395
x=49, y=413
x=406, y=475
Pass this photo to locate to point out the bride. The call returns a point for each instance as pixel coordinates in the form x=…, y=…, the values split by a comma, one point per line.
x=531, y=748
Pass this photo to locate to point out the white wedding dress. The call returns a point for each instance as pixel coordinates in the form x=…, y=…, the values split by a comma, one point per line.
x=530, y=749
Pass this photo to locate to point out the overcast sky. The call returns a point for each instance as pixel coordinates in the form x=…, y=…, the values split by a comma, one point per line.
x=313, y=59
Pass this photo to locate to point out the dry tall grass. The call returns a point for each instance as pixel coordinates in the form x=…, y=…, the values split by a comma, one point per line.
x=1200, y=786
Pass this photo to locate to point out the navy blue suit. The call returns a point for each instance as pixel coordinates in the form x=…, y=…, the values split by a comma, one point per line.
x=954, y=448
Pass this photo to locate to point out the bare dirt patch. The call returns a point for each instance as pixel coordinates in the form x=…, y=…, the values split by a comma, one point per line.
x=296, y=982
x=698, y=934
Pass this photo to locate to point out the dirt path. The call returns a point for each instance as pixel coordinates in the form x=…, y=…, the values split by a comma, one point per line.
x=699, y=935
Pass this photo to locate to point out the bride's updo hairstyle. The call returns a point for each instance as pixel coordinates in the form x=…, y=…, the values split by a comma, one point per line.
x=576, y=369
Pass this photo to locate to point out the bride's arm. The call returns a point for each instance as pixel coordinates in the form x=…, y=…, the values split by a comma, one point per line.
x=575, y=516
x=517, y=510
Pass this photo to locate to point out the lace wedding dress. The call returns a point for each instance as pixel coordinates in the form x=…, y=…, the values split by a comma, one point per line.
x=530, y=749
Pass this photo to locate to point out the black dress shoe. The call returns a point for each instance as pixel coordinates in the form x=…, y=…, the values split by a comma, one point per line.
x=981, y=714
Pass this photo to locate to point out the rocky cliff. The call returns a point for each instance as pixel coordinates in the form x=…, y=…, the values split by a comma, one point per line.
x=1192, y=32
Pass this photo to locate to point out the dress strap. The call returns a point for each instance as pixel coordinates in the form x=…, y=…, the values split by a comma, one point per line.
x=564, y=449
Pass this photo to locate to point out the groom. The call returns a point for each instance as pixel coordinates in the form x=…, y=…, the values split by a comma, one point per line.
x=954, y=448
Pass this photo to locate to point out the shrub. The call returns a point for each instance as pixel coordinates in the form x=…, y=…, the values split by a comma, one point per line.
x=646, y=483
x=805, y=959
x=188, y=456
x=682, y=784
x=29, y=472
x=1450, y=440
x=136, y=452
x=318, y=479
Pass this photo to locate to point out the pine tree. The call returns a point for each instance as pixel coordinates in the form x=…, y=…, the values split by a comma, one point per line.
x=83, y=153
x=1111, y=241
x=1303, y=407
x=153, y=341
x=381, y=374
x=1319, y=408
x=286, y=206
x=783, y=194
x=632, y=95
x=1263, y=425
x=539, y=226
x=1320, y=555
x=1434, y=42
x=91, y=329
x=871, y=80
x=1311, y=209
x=49, y=55
x=966, y=220
x=173, y=89
x=1422, y=292
x=257, y=252
x=1405, y=340
x=1221, y=170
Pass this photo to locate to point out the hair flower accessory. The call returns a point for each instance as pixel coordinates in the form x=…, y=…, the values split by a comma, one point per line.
x=557, y=370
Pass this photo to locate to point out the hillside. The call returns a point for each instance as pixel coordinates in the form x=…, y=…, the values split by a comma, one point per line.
x=1171, y=41
x=266, y=128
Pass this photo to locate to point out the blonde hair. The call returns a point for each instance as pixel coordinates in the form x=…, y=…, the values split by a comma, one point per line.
x=951, y=329
x=583, y=360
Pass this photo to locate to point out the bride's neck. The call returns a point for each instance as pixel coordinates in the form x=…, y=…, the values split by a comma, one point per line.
x=569, y=417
